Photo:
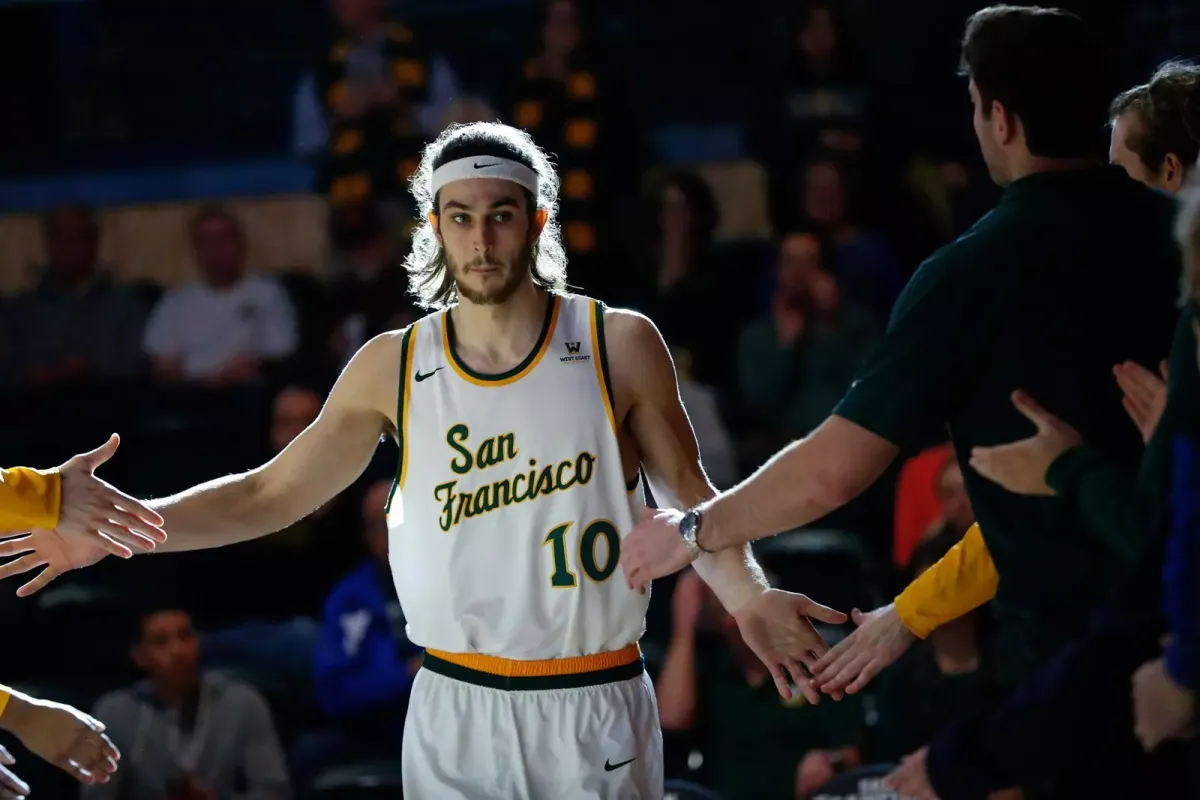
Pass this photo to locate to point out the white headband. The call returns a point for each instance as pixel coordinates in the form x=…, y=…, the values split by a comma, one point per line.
x=483, y=167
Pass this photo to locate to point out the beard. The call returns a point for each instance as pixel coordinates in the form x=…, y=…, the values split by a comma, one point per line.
x=496, y=292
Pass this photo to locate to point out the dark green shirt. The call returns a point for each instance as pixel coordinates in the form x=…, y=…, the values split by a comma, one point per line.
x=1070, y=274
x=1116, y=504
x=753, y=740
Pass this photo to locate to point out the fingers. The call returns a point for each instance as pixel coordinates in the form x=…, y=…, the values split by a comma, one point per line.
x=1138, y=383
x=857, y=617
x=6, y=758
x=872, y=668
x=116, y=548
x=1032, y=411
x=1164, y=369
x=40, y=582
x=836, y=657
x=851, y=668
x=11, y=787
x=16, y=546
x=142, y=515
x=21, y=565
x=781, y=681
x=815, y=610
x=131, y=539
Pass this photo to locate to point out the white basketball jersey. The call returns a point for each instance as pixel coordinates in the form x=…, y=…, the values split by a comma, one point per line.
x=510, y=500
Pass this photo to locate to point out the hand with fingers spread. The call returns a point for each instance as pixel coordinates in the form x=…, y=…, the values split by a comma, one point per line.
x=57, y=552
x=1020, y=467
x=11, y=787
x=879, y=639
x=91, y=507
x=776, y=625
x=67, y=738
x=1145, y=394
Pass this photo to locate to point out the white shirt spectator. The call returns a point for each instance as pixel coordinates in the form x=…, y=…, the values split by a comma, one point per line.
x=206, y=328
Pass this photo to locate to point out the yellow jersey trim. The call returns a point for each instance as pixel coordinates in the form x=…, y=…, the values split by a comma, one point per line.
x=512, y=668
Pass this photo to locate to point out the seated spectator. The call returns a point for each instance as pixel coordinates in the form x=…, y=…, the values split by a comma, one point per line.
x=184, y=734
x=77, y=322
x=940, y=679
x=369, y=295
x=716, y=691
x=221, y=330
x=364, y=662
x=795, y=363
x=862, y=260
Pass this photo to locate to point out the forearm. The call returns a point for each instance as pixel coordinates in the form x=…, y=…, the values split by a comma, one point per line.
x=964, y=579
x=802, y=483
x=676, y=684
x=221, y=512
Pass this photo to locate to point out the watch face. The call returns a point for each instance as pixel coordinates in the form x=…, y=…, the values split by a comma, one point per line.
x=687, y=526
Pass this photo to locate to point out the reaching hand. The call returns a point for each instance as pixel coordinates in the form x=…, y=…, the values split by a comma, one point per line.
x=91, y=507
x=67, y=738
x=11, y=787
x=777, y=628
x=1021, y=466
x=653, y=548
x=879, y=639
x=1162, y=709
x=911, y=779
x=1145, y=394
x=57, y=552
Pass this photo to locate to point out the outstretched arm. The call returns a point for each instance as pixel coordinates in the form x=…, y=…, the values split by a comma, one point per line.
x=774, y=624
x=321, y=462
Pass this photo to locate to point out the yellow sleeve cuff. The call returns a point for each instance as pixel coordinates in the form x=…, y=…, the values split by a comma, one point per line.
x=4, y=695
x=29, y=498
x=964, y=579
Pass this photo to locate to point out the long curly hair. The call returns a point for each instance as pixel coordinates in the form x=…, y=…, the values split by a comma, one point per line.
x=429, y=277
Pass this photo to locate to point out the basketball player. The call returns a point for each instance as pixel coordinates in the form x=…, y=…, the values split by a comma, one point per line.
x=524, y=417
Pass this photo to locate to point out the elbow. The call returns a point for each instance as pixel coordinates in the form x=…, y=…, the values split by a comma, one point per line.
x=676, y=719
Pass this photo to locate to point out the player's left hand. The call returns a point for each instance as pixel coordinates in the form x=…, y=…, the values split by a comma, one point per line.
x=911, y=779
x=776, y=626
x=654, y=548
x=56, y=551
x=1021, y=466
x=63, y=736
x=879, y=639
x=1162, y=709
x=11, y=787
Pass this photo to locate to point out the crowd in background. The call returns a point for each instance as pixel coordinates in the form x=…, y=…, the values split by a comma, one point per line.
x=298, y=638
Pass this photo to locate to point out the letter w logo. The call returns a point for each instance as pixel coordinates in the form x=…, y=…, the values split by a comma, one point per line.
x=572, y=348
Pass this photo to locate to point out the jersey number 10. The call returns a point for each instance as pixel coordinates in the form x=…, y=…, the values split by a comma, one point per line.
x=563, y=577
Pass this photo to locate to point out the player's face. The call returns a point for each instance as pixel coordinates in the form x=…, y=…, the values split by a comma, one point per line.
x=169, y=650
x=488, y=237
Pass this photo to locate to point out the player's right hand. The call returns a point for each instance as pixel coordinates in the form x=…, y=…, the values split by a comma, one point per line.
x=55, y=551
x=776, y=625
x=91, y=507
x=66, y=737
x=11, y=787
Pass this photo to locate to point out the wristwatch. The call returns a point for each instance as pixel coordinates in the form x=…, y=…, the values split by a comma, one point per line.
x=689, y=531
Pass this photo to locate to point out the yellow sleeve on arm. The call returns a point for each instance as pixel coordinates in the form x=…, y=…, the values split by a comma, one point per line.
x=5, y=693
x=29, y=498
x=964, y=579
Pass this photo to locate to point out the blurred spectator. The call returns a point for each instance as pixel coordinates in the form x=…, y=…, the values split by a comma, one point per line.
x=372, y=83
x=918, y=507
x=795, y=363
x=703, y=409
x=76, y=323
x=566, y=102
x=754, y=744
x=220, y=330
x=677, y=276
x=937, y=680
x=369, y=295
x=364, y=662
x=1156, y=127
x=862, y=260
x=184, y=734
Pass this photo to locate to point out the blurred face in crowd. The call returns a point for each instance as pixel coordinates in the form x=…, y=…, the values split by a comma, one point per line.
x=358, y=14
x=488, y=236
x=169, y=650
x=1170, y=175
x=72, y=244
x=220, y=251
x=799, y=260
x=675, y=215
x=561, y=29
x=818, y=38
x=995, y=130
x=824, y=193
x=952, y=493
x=294, y=410
x=375, y=529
